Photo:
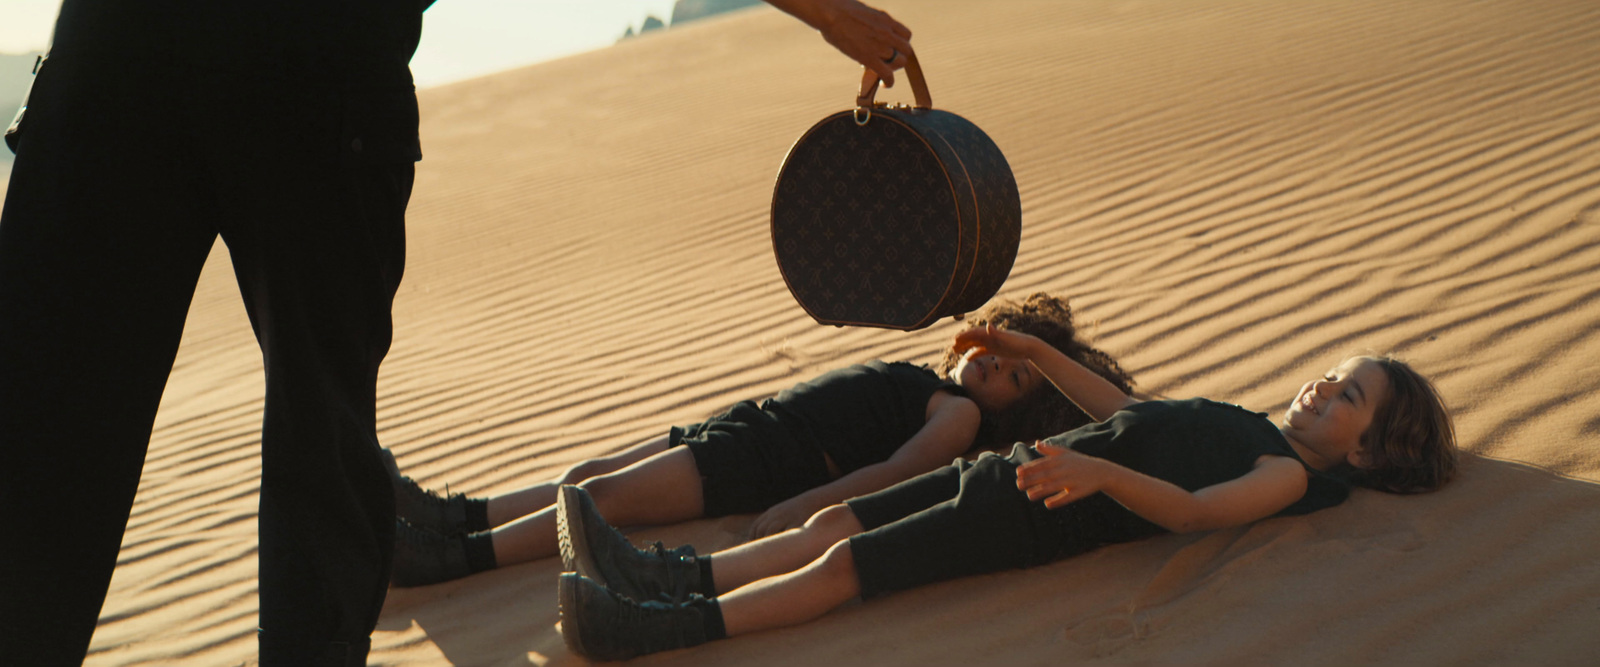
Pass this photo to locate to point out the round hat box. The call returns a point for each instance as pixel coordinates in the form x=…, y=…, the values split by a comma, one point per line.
x=894, y=216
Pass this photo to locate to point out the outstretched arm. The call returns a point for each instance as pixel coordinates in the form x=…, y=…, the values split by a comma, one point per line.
x=1063, y=476
x=1095, y=395
x=948, y=433
x=866, y=35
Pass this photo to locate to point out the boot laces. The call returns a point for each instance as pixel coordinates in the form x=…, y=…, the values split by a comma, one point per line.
x=415, y=491
x=661, y=625
x=674, y=564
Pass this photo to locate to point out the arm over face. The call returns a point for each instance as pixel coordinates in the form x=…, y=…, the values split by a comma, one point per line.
x=1093, y=394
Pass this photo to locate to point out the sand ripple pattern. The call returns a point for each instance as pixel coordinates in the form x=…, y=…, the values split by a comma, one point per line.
x=1236, y=194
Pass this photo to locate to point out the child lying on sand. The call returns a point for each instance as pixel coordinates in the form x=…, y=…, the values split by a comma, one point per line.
x=849, y=432
x=1143, y=468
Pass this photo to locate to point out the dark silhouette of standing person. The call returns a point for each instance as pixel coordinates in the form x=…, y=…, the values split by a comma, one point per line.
x=288, y=128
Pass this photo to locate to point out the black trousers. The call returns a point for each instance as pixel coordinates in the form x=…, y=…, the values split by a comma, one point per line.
x=965, y=519
x=123, y=179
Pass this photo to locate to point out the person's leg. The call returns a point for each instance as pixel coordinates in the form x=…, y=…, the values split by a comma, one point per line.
x=664, y=488
x=415, y=507
x=508, y=507
x=602, y=624
x=316, y=232
x=988, y=526
x=661, y=489
x=453, y=514
x=801, y=573
x=794, y=597
x=101, y=242
x=784, y=552
x=594, y=549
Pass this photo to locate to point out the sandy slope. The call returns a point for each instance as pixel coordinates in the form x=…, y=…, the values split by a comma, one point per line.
x=1239, y=193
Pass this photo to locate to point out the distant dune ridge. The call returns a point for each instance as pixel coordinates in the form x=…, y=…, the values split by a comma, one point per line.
x=1235, y=194
x=684, y=11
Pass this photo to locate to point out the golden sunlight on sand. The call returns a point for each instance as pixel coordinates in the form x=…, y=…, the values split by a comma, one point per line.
x=1236, y=193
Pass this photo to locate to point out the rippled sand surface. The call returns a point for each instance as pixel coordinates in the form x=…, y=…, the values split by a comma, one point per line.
x=1236, y=194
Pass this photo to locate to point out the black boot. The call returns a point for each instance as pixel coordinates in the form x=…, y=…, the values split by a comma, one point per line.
x=445, y=515
x=592, y=548
x=423, y=557
x=601, y=624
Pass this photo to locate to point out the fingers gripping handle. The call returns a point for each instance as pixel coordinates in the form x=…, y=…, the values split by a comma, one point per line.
x=919, y=86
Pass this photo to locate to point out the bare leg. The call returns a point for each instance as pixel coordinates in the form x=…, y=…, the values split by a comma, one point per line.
x=792, y=598
x=509, y=507
x=787, y=551
x=661, y=489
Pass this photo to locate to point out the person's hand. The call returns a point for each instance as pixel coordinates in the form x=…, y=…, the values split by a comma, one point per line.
x=867, y=35
x=791, y=513
x=991, y=339
x=1062, y=476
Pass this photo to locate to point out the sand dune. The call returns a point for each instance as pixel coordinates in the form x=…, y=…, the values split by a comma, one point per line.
x=1237, y=194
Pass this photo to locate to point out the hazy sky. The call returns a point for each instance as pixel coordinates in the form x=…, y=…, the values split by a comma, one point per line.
x=460, y=38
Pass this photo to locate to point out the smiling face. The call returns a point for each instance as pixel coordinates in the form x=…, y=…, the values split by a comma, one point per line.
x=1325, y=422
x=995, y=382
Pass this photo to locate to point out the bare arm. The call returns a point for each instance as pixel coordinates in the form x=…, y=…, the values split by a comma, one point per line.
x=948, y=433
x=1095, y=395
x=865, y=34
x=1063, y=476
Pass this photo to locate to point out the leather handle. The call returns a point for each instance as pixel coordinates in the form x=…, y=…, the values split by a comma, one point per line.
x=913, y=71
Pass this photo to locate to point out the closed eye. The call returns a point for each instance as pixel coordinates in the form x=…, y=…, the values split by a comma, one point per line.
x=1022, y=375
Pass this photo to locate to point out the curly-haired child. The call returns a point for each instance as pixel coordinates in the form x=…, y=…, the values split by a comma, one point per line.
x=849, y=432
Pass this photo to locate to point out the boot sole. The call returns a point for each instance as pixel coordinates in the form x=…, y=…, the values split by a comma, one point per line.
x=571, y=535
x=567, y=600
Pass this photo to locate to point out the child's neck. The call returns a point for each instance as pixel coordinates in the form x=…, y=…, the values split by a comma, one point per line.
x=1311, y=458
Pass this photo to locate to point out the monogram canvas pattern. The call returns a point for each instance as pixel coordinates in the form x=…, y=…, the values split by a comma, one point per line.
x=884, y=224
x=998, y=204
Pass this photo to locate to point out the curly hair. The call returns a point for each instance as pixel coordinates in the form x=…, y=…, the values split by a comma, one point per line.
x=1044, y=411
x=1410, y=446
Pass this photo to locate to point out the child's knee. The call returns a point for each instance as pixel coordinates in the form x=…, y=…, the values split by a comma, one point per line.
x=838, y=520
x=840, y=564
x=585, y=470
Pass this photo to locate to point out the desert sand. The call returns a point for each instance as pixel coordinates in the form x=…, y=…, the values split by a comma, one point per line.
x=1236, y=194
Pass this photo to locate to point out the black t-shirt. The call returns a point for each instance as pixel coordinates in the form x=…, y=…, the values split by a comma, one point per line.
x=861, y=414
x=1193, y=444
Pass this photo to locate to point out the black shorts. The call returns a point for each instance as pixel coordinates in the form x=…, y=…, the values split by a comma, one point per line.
x=749, y=460
x=964, y=519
